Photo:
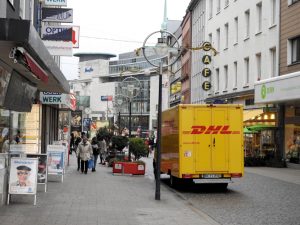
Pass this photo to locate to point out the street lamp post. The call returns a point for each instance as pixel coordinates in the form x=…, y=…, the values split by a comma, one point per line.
x=162, y=49
x=131, y=88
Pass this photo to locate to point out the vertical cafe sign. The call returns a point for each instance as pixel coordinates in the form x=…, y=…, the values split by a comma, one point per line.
x=206, y=60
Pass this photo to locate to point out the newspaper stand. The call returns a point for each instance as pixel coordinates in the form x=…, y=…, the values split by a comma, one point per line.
x=56, y=160
x=20, y=165
x=42, y=169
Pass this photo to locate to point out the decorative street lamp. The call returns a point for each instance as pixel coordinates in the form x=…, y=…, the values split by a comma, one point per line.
x=163, y=54
x=117, y=103
x=130, y=88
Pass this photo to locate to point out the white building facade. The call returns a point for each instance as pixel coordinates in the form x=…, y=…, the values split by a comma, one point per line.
x=246, y=36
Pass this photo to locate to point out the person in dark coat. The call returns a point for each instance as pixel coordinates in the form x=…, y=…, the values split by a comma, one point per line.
x=96, y=152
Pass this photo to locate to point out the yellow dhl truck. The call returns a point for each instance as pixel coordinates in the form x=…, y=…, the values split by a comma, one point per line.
x=203, y=143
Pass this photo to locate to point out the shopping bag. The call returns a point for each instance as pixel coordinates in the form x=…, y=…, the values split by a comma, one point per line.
x=91, y=163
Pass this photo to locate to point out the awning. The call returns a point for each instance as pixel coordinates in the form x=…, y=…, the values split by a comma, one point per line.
x=260, y=127
x=251, y=113
x=248, y=131
x=15, y=33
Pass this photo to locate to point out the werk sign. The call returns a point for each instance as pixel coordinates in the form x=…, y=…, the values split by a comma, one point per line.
x=56, y=2
x=52, y=98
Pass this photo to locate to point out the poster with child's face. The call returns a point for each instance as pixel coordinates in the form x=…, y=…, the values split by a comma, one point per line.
x=23, y=176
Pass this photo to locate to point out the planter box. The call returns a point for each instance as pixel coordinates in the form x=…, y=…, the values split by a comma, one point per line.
x=129, y=168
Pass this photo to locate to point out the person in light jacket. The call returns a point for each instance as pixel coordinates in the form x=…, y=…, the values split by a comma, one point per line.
x=85, y=152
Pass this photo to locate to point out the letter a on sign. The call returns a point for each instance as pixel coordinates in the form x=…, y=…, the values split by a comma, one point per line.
x=206, y=59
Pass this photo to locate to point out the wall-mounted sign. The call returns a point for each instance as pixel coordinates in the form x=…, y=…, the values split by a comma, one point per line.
x=57, y=33
x=60, y=48
x=75, y=36
x=56, y=2
x=52, y=98
x=107, y=98
x=206, y=72
x=62, y=15
x=206, y=85
x=88, y=69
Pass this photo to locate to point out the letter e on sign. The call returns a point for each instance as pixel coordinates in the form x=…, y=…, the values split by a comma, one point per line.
x=206, y=85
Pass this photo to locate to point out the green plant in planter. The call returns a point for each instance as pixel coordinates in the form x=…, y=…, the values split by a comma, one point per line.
x=138, y=147
x=119, y=142
x=104, y=133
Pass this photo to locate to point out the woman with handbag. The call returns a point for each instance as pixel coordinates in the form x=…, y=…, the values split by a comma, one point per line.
x=85, y=152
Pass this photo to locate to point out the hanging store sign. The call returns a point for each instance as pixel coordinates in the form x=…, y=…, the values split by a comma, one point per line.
x=59, y=48
x=52, y=98
x=57, y=33
x=278, y=89
x=56, y=2
x=62, y=15
x=107, y=98
x=206, y=72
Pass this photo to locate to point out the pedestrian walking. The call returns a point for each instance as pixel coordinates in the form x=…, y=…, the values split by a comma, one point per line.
x=96, y=152
x=103, y=149
x=85, y=153
x=72, y=143
x=77, y=141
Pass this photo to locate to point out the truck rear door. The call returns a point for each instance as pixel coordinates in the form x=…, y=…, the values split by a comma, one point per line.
x=203, y=159
x=219, y=150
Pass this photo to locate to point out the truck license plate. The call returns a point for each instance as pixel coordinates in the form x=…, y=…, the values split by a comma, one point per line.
x=210, y=176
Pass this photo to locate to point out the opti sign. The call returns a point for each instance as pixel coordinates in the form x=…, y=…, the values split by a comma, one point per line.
x=57, y=33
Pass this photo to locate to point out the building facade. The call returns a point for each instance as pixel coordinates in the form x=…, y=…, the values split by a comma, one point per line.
x=283, y=91
x=26, y=69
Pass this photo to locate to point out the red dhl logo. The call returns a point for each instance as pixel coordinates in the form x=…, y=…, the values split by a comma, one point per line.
x=211, y=130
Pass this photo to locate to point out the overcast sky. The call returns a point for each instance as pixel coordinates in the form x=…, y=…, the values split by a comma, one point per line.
x=117, y=26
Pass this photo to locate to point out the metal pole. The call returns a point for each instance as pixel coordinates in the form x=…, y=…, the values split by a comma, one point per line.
x=119, y=122
x=129, y=151
x=158, y=139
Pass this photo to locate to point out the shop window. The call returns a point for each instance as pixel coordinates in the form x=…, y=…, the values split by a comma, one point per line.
x=292, y=142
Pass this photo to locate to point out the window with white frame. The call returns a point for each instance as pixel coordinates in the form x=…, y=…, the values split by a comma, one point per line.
x=273, y=61
x=210, y=9
x=225, y=78
x=217, y=80
x=290, y=2
x=258, y=65
x=247, y=70
x=226, y=36
x=235, y=71
x=218, y=6
x=273, y=12
x=218, y=39
x=259, y=17
x=236, y=30
x=295, y=50
x=247, y=24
